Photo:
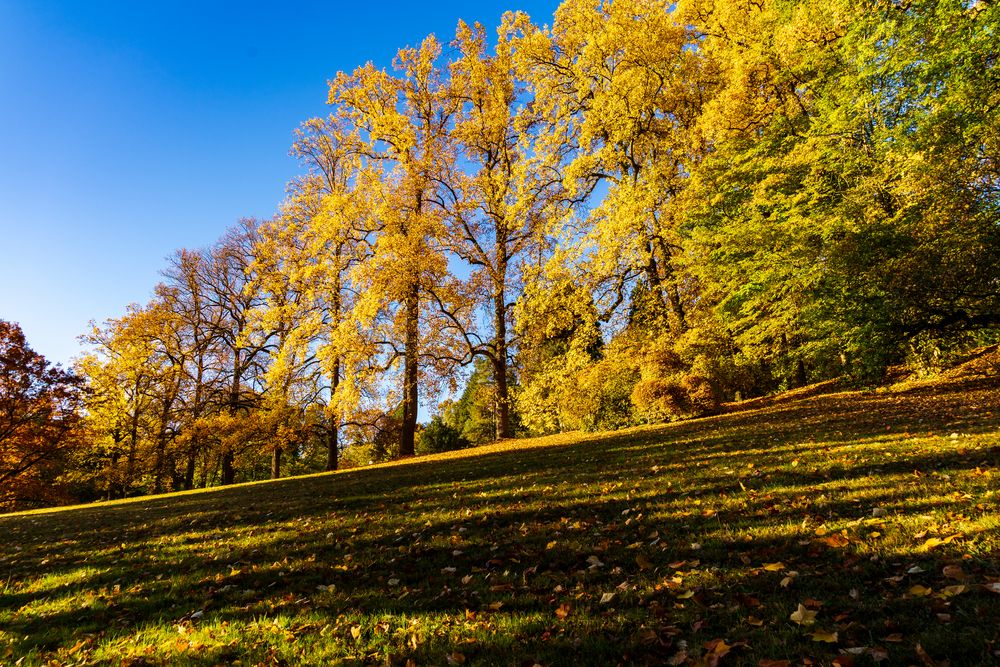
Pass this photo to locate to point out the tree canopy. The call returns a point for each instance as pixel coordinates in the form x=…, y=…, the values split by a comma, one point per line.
x=633, y=213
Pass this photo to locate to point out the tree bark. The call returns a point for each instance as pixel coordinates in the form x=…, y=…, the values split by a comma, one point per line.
x=228, y=470
x=192, y=457
x=332, y=446
x=407, y=433
x=333, y=427
x=503, y=430
x=228, y=456
x=276, y=463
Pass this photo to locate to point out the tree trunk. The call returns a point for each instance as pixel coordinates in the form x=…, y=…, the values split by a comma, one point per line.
x=332, y=452
x=228, y=456
x=192, y=457
x=408, y=432
x=678, y=320
x=801, y=379
x=333, y=427
x=160, y=460
x=500, y=365
x=133, y=451
x=276, y=463
x=228, y=471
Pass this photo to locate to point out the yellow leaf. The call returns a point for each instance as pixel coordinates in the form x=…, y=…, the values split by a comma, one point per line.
x=774, y=567
x=936, y=542
x=803, y=616
x=920, y=591
x=821, y=636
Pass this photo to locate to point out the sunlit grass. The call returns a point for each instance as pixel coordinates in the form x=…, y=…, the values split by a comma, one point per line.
x=641, y=546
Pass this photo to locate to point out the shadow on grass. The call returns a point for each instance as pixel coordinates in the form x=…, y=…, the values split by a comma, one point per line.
x=525, y=527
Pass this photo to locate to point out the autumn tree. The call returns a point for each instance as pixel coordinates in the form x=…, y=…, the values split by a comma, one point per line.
x=621, y=86
x=244, y=348
x=305, y=257
x=402, y=121
x=39, y=417
x=497, y=205
x=197, y=320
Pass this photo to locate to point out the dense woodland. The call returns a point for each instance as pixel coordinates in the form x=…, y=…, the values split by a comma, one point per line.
x=632, y=214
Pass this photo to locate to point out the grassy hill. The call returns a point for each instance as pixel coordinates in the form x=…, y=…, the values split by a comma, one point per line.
x=842, y=528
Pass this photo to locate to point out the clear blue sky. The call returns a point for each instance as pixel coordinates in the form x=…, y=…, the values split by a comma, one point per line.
x=131, y=129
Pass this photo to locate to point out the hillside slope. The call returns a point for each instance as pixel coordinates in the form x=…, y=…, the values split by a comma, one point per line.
x=851, y=526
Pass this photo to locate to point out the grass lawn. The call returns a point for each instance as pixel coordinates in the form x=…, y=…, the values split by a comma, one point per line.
x=844, y=528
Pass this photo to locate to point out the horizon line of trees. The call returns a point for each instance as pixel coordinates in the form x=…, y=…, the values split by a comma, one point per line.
x=630, y=215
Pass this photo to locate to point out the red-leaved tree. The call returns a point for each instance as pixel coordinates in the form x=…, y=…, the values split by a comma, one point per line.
x=39, y=418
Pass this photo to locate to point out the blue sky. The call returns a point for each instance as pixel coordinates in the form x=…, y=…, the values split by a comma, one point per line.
x=131, y=129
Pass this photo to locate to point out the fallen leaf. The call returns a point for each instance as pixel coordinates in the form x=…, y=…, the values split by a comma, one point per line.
x=936, y=542
x=837, y=540
x=643, y=562
x=920, y=591
x=716, y=648
x=774, y=567
x=821, y=636
x=563, y=610
x=607, y=597
x=356, y=632
x=954, y=572
x=803, y=616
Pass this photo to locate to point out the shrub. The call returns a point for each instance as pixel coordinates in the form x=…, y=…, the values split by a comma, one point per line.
x=660, y=399
x=701, y=395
